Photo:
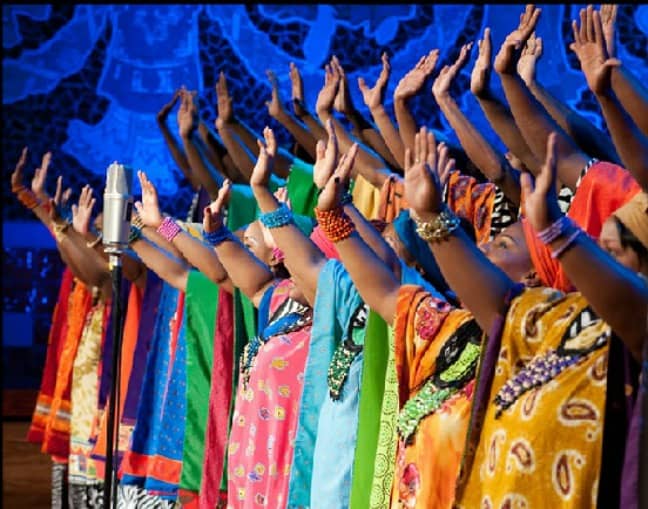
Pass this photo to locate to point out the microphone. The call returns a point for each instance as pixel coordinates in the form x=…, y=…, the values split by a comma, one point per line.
x=117, y=207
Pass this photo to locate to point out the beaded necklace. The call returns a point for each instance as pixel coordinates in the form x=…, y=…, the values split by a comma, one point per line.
x=345, y=353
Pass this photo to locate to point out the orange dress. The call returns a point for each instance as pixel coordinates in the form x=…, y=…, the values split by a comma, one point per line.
x=436, y=350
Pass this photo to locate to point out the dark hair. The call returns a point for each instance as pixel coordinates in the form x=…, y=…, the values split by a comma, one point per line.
x=629, y=240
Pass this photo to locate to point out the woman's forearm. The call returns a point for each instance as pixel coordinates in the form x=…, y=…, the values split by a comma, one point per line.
x=390, y=135
x=491, y=163
x=407, y=127
x=207, y=175
x=164, y=264
x=633, y=95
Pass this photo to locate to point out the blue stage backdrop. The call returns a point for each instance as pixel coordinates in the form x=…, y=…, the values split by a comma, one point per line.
x=86, y=81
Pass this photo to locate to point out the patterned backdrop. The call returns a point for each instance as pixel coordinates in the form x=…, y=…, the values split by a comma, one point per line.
x=86, y=81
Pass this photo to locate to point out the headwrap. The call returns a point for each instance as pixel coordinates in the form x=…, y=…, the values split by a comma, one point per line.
x=634, y=216
x=325, y=245
x=603, y=189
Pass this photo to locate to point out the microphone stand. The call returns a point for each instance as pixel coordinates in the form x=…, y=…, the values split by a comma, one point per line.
x=110, y=471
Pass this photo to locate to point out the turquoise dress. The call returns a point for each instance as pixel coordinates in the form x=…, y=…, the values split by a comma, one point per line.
x=328, y=420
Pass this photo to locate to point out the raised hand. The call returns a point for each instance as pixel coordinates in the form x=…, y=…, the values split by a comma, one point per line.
x=589, y=46
x=213, y=215
x=61, y=197
x=82, y=212
x=331, y=195
x=374, y=97
x=326, y=158
x=442, y=83
x=148, y=209
x=608, y=20
x=445, y=164
x=166, y=109
x=40, y=177
x=263, y=167
x=531, y=53
x=224, y=101
x=17, y=174
x=297, y=91
x=422, y=186
x=509, y=54
x=540, y=197
x=329, y=91
x=187, y=113
x=343, y=102
x=275, y=107
x=281, y=194
x=480, y=77
x=412, y=83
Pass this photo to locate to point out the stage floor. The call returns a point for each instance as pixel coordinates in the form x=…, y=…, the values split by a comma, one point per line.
x=26, y=472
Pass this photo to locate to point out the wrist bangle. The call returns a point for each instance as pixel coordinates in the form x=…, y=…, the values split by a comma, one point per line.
x=28, y=198
x=218, y=236
x=277, y=218
x=95, y=242
x=59, y=230
x=135, y=233
x=335, y=224
x=567, y=244
x=440, y=228
x=136, y=221
x=555, y=230
x=169, y=229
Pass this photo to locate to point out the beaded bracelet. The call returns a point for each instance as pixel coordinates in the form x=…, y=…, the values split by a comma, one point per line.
x=440, y=228
x=277, y=218
x=136, y=220
x=218, y=236
x=17, y=188
x=135, y=233
x=335, y=224
x=555, y=230
x=169, y=229
x=565, y=245
x=95, y=242
x=28, y=198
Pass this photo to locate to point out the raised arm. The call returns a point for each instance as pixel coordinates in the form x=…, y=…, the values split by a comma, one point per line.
x=586, y=135
x=375, y=282
x=481, y=286
x=589, y=46
x=302, y=258
x=624, y=302
x=530, y=116
x=245, y=270
x=195, y=147
x=374, y=98
x=361, y=127
x=177, y=153
x=632, y=94
x=277, y=111
x=491, y=163
x=217, y=154
x=193, y=250
x=368, y=163
x=410, y=85
x=497, y=113
x=299, y=105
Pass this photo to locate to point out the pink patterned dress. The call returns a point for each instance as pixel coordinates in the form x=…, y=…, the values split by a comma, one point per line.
x=264, y=422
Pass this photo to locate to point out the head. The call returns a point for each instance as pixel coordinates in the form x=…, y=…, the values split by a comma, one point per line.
x=509, y=251
x=256, y=241
x=618, y=240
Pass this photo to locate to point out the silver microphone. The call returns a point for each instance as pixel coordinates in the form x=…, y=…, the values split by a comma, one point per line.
x=117, y=207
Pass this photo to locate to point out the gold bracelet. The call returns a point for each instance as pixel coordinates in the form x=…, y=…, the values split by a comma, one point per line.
x=59, y=230
x=440, y=228
x=95, y=242
x=136, y=221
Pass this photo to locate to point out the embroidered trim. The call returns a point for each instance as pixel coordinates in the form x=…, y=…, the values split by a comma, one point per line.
x=345, y=354
x=536, y=373
x=460, y=354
